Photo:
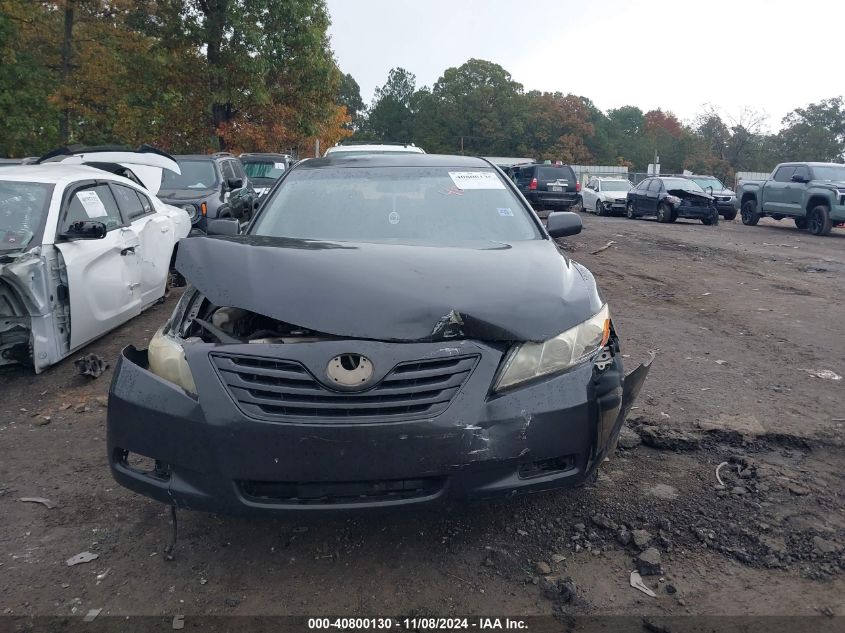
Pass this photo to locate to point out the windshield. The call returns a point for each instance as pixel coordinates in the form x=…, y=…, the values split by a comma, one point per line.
x=400, y=205
x=615, y=185
x=269, y=169
x=196, y=174
x=709, y=182
x=831, y=173
x=682, y=183
x=23, y=211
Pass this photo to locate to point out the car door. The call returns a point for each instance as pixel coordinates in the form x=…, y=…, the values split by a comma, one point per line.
x=774, y=193
x=155, y=237
x=102, y=279
x=651, y=196
x=589, y=196
x=793, y=191
x=637, y=192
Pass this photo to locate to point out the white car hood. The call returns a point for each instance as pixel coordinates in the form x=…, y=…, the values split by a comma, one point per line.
x=147, y=166
x=612, y=195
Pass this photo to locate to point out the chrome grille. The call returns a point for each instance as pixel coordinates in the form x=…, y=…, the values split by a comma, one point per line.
x=275, y=388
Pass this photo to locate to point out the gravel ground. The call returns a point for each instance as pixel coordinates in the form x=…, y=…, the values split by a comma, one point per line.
x=744, y=320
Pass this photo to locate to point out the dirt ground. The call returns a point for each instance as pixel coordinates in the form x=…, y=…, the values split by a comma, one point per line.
x=747, y=326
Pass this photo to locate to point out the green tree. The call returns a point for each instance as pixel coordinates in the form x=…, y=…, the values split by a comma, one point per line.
x=349, y=96
x=815, y=133
x=391, y=115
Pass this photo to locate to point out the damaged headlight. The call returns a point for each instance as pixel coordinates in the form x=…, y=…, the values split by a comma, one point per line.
x=673, y=200
x=167, y=360
x=532, y=360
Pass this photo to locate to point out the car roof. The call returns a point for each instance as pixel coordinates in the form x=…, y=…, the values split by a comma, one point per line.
x=370, y=147
x=58, y=173
x=409, y=159
x=209, y=157
x=609, y=179
x=809, y=164
x=263, y=155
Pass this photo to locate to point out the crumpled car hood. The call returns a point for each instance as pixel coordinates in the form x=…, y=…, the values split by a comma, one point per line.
x=525, y=291
x=683, y=193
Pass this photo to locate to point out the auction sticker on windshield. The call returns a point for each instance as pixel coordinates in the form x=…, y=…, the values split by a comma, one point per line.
x=92, y=204
x=476, y=180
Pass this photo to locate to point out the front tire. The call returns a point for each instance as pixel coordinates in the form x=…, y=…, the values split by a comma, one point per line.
x=713, y=220
x=801, y=223
x=599, y=208
x=664, y=213
x=750, y=217
x=820, y=222
x=629, y=211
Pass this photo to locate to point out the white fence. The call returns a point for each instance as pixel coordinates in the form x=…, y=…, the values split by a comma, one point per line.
x=750, y=175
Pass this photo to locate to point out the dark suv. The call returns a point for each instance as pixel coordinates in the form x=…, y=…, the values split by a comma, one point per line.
x=264, y=169
x=210, y=186
x=548, y=186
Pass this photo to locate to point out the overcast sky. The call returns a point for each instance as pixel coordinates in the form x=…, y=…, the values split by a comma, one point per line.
x=772, y=55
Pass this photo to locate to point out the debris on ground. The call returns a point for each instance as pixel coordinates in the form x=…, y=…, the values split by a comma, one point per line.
x=91, y=615
x=178, y=622
x=603, y=248
x=561, y=590
x=641, y=538
x=648, y=563
x=628, y=439
x=637, y=583
x=669, y=439
x=90, y=365
x=824, y=374
x=44, y=502
x=83, y=557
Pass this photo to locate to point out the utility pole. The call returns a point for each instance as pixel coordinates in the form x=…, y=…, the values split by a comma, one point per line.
x=316, y=148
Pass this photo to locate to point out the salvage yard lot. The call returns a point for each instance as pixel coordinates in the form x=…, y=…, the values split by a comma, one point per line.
x=744, y=322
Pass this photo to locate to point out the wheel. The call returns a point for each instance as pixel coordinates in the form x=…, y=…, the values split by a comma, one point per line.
x=629, y=211
x=750, y=217
x=578, y=205
x=801, y=223
x=820, y=222
x=730, y=216
x=664, y=213
x=599, y=208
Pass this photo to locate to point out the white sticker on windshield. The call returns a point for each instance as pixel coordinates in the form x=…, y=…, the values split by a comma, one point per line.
x=476, y=180
x=279, y=166
x=393, y=218
x=505, y=212
x=92, y=204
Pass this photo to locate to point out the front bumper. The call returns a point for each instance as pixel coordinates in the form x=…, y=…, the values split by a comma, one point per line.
x=212, y=456
x=693, y=212
x=837, y=213
x=615, y=206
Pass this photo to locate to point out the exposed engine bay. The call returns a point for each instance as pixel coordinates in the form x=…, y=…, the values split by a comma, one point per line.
x=197, y=319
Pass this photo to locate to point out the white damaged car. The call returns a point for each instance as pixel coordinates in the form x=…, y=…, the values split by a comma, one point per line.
x=82, y=250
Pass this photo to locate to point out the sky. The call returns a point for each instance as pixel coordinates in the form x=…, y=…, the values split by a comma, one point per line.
x=772, y=56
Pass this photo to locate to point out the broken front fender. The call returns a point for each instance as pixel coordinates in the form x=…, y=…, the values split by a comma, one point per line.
x=631, y=387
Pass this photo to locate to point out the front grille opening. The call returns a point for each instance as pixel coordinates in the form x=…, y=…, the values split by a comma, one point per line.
x=277, y=388
x=545, y=467
x=326, y=493
x=143, y=465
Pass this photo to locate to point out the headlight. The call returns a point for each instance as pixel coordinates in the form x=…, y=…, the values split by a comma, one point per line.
x=167, y=360
x=673, y=200
x=532, y=360
x=191, y=210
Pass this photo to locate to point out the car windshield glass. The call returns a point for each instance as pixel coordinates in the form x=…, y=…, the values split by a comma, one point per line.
x=831, y=173
x=264, y=169
x=682, y=183
x=401, y=205
x=709, y=182
x=23, y=210
x=196, y=174
x=615, y=185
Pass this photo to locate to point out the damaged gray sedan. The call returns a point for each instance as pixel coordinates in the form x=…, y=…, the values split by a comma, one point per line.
x=390, y=331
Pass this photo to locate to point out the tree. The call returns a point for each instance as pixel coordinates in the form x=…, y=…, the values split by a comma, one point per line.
x=474, y=108
x=349, y=96
x=391, y=115
x=556, y=127
x=815, y=133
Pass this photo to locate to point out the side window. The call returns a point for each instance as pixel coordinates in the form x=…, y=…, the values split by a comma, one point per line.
x=92, y=202
x=239, y=170
x=228, y=172
x=643, y=185
x=784, y=174
x=655, y=185
x=803, y=171
x=129, y=202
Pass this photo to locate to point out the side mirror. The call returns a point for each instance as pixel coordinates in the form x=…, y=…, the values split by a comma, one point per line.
x=563, y=223
x=234, y=183
x=797, y=178
x=85, y=230
x=223, y=226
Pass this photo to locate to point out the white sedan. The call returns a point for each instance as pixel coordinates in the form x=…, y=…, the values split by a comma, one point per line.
x=82, y=250
x=604, y=196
